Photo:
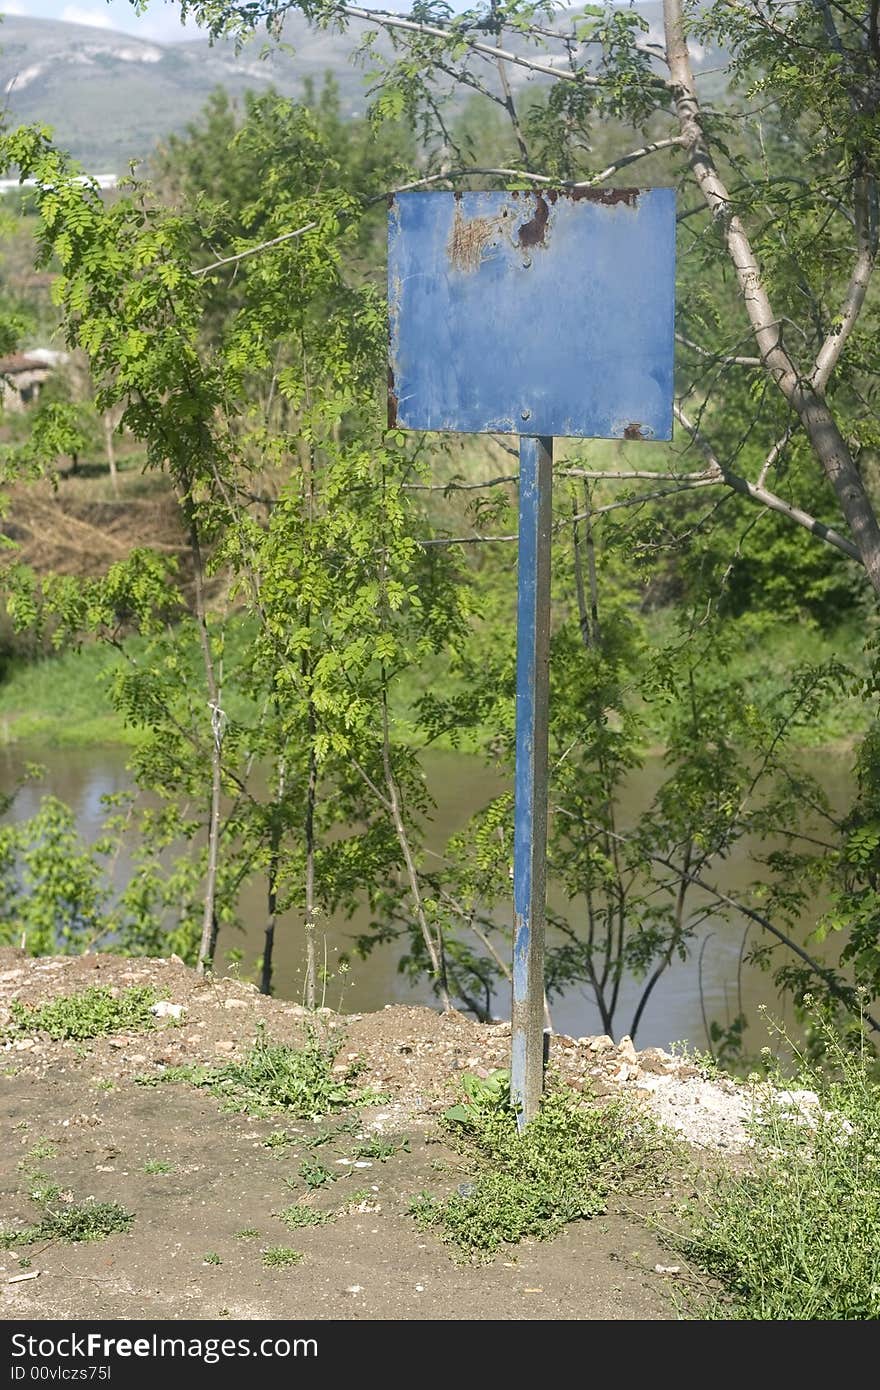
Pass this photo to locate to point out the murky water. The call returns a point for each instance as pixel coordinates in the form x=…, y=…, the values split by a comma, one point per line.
x=460, y=785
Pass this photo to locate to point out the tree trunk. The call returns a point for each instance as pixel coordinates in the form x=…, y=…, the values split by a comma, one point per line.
x=799, y=389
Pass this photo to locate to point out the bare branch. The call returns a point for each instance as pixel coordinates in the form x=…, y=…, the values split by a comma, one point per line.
x=767, y=498
x=386, y=20
x=857, y=289
x=722, y=357
x=775, y=454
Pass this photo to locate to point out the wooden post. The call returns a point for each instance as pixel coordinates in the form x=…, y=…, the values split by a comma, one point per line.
x=530, y=810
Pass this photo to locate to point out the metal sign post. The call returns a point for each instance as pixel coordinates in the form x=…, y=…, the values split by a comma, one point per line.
x=537, y=314
x=530, y=786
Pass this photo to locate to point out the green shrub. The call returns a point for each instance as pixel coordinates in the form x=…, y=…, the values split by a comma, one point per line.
x=796, y=1237
x=91, y=1014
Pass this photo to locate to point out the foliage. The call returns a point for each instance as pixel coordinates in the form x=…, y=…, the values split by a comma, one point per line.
x=274, y=1077
x=281, y=1257
x=794, y=1238
x=562, y=1168
x=296, y=1216
x=72, y=1222
x=266, y=676
x=92, y=1014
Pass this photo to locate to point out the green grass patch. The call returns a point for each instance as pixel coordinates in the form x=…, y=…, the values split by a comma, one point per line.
x=281, y=1257
x=796, y=1237
x=92, y=1014
x=297, y=1216
x=62, y=700
x=380, y=1148
x=275, y=1077
x=158, y=1166
x=74, y=1222
x=562, y=1168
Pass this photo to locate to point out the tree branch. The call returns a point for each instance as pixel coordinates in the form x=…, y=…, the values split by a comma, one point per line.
x=767, y=498
x=801, y=392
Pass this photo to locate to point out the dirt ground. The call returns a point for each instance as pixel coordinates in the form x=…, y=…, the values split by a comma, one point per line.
x=199, y=1179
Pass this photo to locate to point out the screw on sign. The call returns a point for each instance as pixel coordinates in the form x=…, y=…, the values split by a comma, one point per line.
x=538, y=314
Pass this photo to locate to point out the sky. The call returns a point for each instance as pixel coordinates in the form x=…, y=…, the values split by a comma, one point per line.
x=161, y=22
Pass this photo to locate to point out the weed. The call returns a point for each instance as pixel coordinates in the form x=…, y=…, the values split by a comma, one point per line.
x=315, y=1174
x=105, y=1084
x=380, y=1148
x=796, y=1237
x=43, y=1149
x=281, y=1257
x=73, y=1222
x=25, y=1262
x=92, y=1014
x=560, y=1169
x=158, y=1165
x=297, y=1215
x=326, y=1136
x=212, y=1258
x=247, y=1233
x=482, y=1095
x=278, y=1139
x=44, y=1192
x=273, y=1077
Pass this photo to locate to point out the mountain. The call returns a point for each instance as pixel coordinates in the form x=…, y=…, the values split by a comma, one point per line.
x=110, y=97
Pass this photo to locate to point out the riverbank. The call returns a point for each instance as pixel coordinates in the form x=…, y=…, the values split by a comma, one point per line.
x=63, y=699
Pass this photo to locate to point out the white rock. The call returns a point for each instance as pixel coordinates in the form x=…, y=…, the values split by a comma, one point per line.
x=626, y=1050
x=164, y=1009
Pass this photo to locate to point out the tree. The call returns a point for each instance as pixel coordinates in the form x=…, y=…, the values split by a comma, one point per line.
x=269, y=354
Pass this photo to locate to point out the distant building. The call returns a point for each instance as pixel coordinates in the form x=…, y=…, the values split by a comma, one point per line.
x=23, y=374
x=105, y=182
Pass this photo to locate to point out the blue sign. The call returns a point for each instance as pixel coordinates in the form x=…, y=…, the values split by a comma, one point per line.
x=539, y=313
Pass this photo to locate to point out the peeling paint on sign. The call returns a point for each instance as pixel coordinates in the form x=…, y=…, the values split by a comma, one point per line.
x=542, y=313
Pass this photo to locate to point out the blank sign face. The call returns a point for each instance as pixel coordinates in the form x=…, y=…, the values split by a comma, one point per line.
x=547, y=313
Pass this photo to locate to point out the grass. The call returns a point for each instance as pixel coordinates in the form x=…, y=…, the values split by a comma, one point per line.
x=281, y=1257
x=62, y=700
x=158, y=1166
x=796, y=1237
x=297, y=1216
x=381, y=1149
x=92, y=1014
x=74, y=1222
x=275, y=1077
x=561, y=1169
x=37, y=1153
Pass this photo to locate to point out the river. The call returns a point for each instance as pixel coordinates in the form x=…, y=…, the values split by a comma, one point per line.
x=460, y=785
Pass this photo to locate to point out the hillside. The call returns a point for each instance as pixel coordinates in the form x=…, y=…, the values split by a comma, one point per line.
x=110, y=97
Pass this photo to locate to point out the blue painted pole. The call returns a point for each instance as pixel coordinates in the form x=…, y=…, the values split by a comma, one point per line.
x=530, y=801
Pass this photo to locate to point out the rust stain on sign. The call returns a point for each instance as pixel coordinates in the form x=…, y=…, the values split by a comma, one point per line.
x=532, y=233
x=637, y=431
x=469, y=238
x=609, y=197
